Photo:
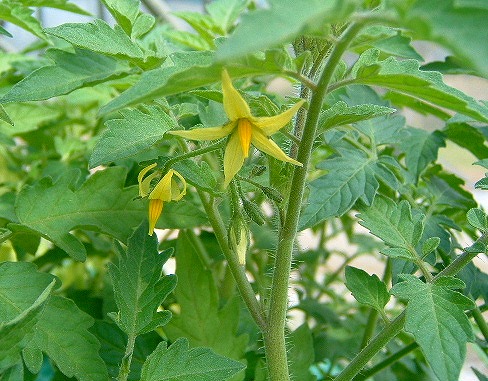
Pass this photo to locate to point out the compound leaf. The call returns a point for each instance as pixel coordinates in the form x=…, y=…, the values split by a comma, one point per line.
x=139, y=286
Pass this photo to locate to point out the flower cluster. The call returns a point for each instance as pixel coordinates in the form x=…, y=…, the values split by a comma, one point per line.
x=167, y=189
x=243, y=129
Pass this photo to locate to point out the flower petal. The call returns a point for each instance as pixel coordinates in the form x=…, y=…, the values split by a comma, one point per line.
x=177, y=195
x=155, y=209
x=144, y=184
x=266, y=145
x=233, y=158
x=234, y=105
x=162, y=190
x=271, y=124
x=208, y=133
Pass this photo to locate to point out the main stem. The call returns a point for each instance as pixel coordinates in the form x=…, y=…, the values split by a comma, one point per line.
x=274, y=336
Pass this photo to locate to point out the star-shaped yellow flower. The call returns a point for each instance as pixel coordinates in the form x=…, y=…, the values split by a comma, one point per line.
x=244, y=129
x=167, y=189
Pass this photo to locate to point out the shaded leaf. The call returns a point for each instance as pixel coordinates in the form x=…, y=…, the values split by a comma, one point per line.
x=301, y=353
x=21, y=15
x=421, y=148
x=102, y=202
x=201, y=320
x=179, y=363
x=478, y=219
x=349, y=178
x=62, y=333
x=340, y=113
x=468, y=137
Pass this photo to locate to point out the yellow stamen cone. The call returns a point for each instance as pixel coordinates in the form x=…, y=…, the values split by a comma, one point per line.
x=245, y=131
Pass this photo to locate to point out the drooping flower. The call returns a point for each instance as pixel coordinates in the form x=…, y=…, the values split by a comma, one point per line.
x=167, y=189
x=244, y=129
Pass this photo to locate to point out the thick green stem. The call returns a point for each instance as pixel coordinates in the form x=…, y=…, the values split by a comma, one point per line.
x=274, y=336
x=386, y=362
x=481, y=322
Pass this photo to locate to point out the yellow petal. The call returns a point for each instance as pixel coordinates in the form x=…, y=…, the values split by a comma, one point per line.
x=155, y=209
x=234, y=105
x=209, y=133
x=162, y=190
x=266, y=145
x=176, y=194
x=233, y=158
x=144, y=185
x=271, y=124
x=244, y=130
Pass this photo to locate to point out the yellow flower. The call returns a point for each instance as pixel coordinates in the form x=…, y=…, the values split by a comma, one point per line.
x=244, y=129
x=167, y=189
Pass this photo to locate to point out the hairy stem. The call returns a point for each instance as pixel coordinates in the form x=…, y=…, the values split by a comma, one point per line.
x=237, y=270
x=274, y=336
x=127, y=359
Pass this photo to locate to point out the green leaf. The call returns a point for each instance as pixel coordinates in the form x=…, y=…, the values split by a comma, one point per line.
x=367, y=289
x=102, y=202
x=430, y=245
x=17, y=295
x=125, y=12
x=307, y=15
x=99, y=37
x=183, y=214
x=393, y=224
x=28, y=117
x=422, y=107
x=340, y=113
x=199, y=175
x=135, y=132
x=301, y=353
x=478, y=219
x=481, y=376
x=20, y=15
x=201, y=320
x=451, y=23
x=18, y=319
x=421, y=148
x=179, y=363
x=224, y=13
x=435, y=316
x=64, y=5
x=387, y=40
x=70, y=72
x=4, y=116
x=406, y=77
x=139, y=286
x=5, y=32
x=350, y=177
x=62, y=333
x=468, y=137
